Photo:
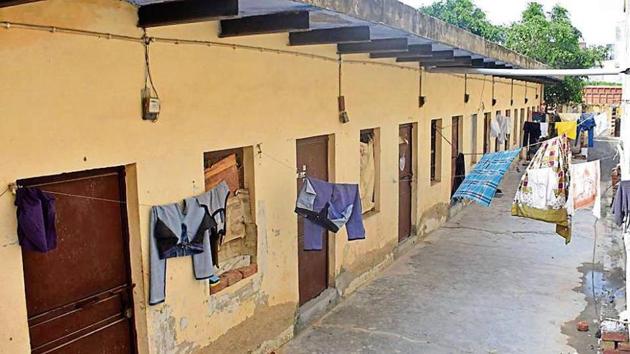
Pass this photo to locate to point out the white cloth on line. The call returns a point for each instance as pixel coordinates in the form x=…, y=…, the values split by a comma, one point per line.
x=585, y=188
x=544, y=129
x=601, y=124
x=500, y=127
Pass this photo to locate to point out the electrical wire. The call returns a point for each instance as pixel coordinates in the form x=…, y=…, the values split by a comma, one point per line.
x=179, y=41
x=148, y=76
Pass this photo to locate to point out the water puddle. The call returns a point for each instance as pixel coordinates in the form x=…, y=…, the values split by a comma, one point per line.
x=601, y=289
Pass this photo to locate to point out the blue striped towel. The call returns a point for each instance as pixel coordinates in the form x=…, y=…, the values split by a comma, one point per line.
x=481, y=184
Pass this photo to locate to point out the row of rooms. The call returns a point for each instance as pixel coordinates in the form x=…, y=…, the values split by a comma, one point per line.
x=98, y=303
x=275, y=114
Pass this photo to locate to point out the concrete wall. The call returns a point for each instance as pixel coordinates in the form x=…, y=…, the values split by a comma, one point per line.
x=71, y=103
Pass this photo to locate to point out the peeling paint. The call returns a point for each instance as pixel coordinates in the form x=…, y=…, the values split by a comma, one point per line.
x=164, y=340
x=262, y=327
x=432, y=218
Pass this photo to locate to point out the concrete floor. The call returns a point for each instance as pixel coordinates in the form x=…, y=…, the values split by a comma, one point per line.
x=486, y=282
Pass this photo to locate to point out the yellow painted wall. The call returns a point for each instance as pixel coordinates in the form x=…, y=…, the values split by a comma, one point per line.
x=71, y=103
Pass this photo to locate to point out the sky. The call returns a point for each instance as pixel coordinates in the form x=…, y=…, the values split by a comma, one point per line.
x=596, y=19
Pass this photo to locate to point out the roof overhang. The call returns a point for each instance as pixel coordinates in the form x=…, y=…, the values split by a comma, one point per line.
x=385, y=30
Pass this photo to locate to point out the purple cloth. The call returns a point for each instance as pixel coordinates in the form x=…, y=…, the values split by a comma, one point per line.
x=36, y=220
x=334, y=206
x=621, y=202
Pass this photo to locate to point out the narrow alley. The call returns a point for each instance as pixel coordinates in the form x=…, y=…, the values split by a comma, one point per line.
x=485, y=282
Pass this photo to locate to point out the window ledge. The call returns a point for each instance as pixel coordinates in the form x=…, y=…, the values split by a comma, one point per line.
x=436, y=182
x=233, y=277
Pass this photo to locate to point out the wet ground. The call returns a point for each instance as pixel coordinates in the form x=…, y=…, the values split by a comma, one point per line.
x=486, y=282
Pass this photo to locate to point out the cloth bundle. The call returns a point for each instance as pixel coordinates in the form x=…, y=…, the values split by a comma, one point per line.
x=543, y=192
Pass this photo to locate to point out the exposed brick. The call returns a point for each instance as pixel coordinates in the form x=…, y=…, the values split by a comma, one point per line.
x=623, y=346
x=606, y=344
x=231, y=277
x=611, y=351
x=249, y=270
x=617, y=336
x=582, y=326
x=215, y=288
x=614, y=331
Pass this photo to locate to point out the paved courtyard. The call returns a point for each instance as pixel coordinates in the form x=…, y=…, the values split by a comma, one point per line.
x=486, y=282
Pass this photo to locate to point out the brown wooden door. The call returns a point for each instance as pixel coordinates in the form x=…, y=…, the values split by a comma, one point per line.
x=405, y=178
x=454, y=148
x=78, y=296
x=312, y=156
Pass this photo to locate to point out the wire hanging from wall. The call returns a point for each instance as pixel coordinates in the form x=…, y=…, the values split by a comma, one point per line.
x=512, y=93
x=526, y=99
x=494, y=100
x=466, y=95
x=150, y=95
x=421, y=99
x=341, y=100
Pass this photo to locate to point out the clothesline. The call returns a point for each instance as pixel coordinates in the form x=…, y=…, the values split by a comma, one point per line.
x=483, y=153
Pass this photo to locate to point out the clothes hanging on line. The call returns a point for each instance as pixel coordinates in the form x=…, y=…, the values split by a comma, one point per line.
x=586, y=123
x=531, y=135
x=539, y=117
x=368, y=175
x=567, y=128
x=500, y=127
x=192, y=230
x=621, y=204
x=35, y=220
x=602, y=124
x=544, y=188
x=215, y=201
x=481, y=184
x=460, y=172
x=585, y=190
x=329, y=206
x=544, y=130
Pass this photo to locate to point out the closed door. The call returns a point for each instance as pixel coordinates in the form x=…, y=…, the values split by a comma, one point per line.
x=405, y=178
x=455, y=130
x=79, y=295
x=312, y=157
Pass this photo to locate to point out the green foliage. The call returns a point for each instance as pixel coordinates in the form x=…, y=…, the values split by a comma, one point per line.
x=549, y=38
x=552, y=39
x=603, y=83
x=464, y=14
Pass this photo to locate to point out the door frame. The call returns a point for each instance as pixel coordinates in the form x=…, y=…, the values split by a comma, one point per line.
x=330, y=237
x=121, y=172
x=456, y=140
x=414, y=181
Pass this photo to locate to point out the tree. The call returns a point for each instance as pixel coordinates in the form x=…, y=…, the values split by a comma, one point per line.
x=552, y=39
x=549, y=38
x=464, y=14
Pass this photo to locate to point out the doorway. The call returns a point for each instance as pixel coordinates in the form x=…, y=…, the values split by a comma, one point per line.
x=79, y=295
x=405, y=179
x=456, y=130
x=312, y=158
